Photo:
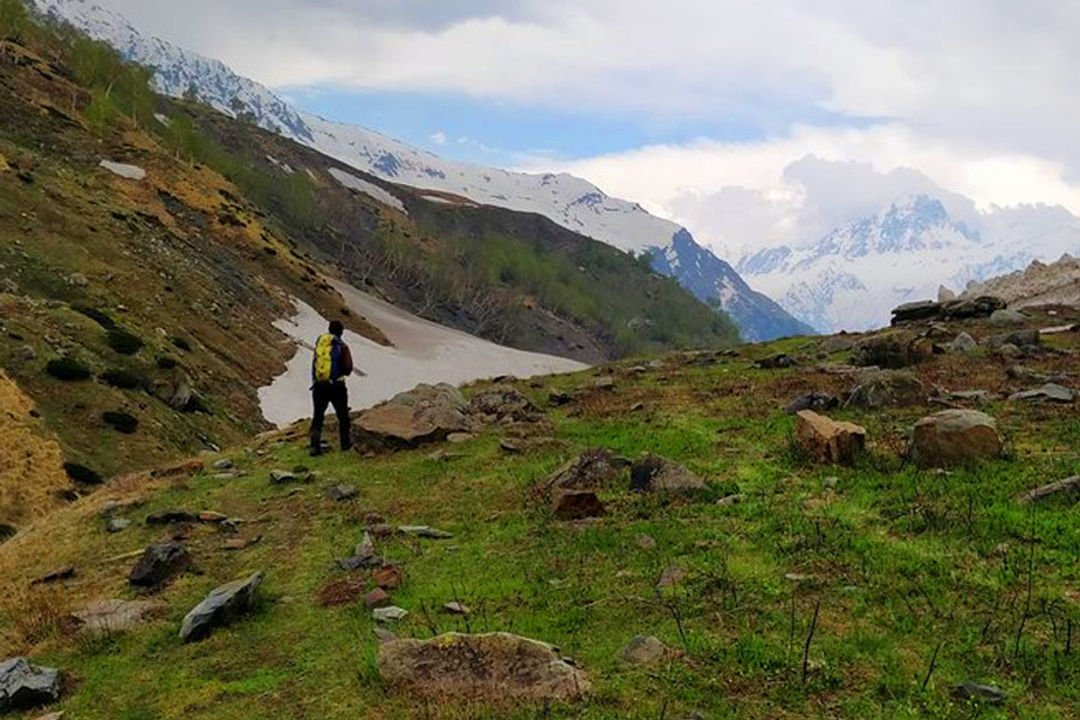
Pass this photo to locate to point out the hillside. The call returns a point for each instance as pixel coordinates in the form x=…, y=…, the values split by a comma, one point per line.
x=147, y=248
x=1055, y=283
x=781, y=588
x=568, y=201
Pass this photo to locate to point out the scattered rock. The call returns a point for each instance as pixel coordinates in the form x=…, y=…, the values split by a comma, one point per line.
x=212, y=518
x=893, y=349
x=115, y=525
x=456, y=608
x=383, y=635
x=24, y=685
x=110, y=616
x=887, y=388
x=828, y=441
x=377, y=598
x=389, y=614
x=963, y=308
x=953, y=437
x=730, y=500
x=220, y=607
x=427, y=413
x=494, y=667
x=513, y=446
x=1008, y=316
x=577, y=505
x=1019, y=339
x=284, y=477
x=604, y=383
x=240, y=543
x=645, y=650
x=171, y=517
x=158, y=564
x=921, y=310
x=424, y=531
x=594, y=469
x=776, y=362
x=963, y=343
x=1049, y=391
x=974, y=692
x=558, y=399
x=340, y=493
x=816, y=401
x=459, y=438
x=184, y=469
x=658, y=474
x=503, y=402
x=388, y=577
x=1069, y=487
x=223, y=464
x=64, y=573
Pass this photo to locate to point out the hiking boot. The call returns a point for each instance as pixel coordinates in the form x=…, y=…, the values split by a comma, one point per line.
x=315, y=451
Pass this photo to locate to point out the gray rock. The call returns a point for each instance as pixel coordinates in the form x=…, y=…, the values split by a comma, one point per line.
x=220, y=607
x=921, y=310
x=837, y=343
x=963, y=343
x=645, y=650
x=658, y=474
x=594, y=469
x=389, y=614
x=955, y=437
x=1020, y=339
x=115, y=525
x=975, y=692
x=1049, y=391
x=887, y=388
x=24, y=685
x=223, y=464
x=945, y=295
x=340, y=493
x=110, y=616
x=816, y=401
x=776, y=362
x=424, y=531
x=158, y=564
x=1008, y=316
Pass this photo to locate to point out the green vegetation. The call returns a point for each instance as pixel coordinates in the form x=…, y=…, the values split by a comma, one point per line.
x=919, y=580
x=124, y=342
x=82, y=474
x=68, y=369
x=121, y=421
x=122, y=379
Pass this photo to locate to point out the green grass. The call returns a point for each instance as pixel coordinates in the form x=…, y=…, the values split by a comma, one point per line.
x=903, y=563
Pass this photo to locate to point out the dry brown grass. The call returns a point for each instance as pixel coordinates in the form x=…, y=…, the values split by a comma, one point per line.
x=31, y=465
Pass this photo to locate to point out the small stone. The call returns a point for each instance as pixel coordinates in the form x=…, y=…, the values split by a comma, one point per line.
x=604, y=383
x=963, y=343
x=115, y=525
x=389, y=614
x=211, y=517
x=373, y=518
x=159, y=563
x=240, y=543
x=283, y=477
x=645, y=650
x=171, y=517
x=455, y=608
x=376, y=598
x=645, y=542
x=424, y=531
x=223, y=464
x=459, y=438
x=671, y=577
x=730, y=500
x=340, y=493
x=387, y=577
x=975, y=692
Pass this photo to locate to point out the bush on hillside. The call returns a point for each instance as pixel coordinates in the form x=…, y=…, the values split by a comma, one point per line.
x=182, y=344
x=97, y=316
x=121, y=421
x=124, y=342
x=68, y=369
x=82, y=474
x=122, y=379
x=167, y=363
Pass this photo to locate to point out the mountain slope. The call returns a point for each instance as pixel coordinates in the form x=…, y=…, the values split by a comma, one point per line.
x=851, y=278
x=568, y=201
x=1056, y=283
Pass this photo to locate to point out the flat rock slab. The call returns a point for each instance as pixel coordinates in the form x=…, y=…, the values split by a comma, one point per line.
x=24, y=685
x=496, y=666
x=109, y=616
x=220, y=607
x=128, y=172
x=1050, y=391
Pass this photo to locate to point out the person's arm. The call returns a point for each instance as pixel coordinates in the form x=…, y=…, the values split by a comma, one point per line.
x=346, y=361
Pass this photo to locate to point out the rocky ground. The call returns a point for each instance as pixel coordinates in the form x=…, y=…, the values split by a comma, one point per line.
x=854, y=527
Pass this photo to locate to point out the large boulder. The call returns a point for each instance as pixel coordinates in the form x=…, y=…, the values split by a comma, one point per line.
x=158, y=564
x=503, y=402
x=1020, y=339
x=594, y=469
x=892, y=349
x=955, y=437
x=1009, y=316
x=220, y=607
x=491, y=667
x=24, y=685
x=963, y=308
x=913, y=311
x=658, y=474
x=887, y=388
x=828, y=441
x=427, y=413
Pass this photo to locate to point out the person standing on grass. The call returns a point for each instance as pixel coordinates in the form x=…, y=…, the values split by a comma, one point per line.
x=331, y=364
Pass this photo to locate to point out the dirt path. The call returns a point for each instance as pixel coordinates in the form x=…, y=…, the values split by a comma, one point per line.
x=423, y=352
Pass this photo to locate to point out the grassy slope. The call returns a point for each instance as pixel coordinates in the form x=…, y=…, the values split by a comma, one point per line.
x=902, y=562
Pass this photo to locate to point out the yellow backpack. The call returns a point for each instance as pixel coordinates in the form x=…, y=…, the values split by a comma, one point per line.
x=324, y=358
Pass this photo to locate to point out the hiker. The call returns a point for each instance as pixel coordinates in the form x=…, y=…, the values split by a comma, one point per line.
x=330, y=366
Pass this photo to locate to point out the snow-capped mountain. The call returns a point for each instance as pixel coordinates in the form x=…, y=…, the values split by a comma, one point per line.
x=851, y=278
x=569, y=201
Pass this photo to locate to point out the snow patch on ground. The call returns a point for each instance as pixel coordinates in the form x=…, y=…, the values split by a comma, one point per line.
x=423, y=352
x=370, y=189
x=130, y=172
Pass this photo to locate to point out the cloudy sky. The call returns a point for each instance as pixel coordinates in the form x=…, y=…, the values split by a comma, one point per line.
x=704, y=110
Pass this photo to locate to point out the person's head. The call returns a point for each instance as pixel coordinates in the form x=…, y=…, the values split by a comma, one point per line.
x=336, y=328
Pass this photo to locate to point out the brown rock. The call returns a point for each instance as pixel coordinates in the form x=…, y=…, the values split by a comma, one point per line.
x=577, y=505
x=209, y=516
x=377, y=598
x=828, y=441
x=493, y=667
x=387, y=577
x=179, y=470
x=425, y=414
x=955, y=437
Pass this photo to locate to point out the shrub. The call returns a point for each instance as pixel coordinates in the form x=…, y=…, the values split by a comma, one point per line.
x=124, y=342
x=182, y=344
x=123, y=379
x=121, y=421
x=68, y=369
x=166, y=363
x=97, y=316
x=82, y=474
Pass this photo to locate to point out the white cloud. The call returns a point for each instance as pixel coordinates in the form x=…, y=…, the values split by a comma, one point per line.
x=439, y=138
x=738, y=196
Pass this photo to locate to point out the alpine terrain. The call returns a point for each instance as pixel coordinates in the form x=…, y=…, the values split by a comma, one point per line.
x=567, y=200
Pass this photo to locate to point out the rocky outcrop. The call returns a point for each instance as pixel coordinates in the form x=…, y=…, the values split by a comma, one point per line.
x=427, y=413
x=658, y=474
x=594, y=469
x=492, y=667
x=887, y=388
x=503, y=403
x=893, y=349
x=954, y=309
x=828, y=441
x=955, y=437
x=24, y=685
x=221, y=606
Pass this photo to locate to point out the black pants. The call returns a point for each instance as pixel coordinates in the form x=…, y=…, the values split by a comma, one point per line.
x=330, y=393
